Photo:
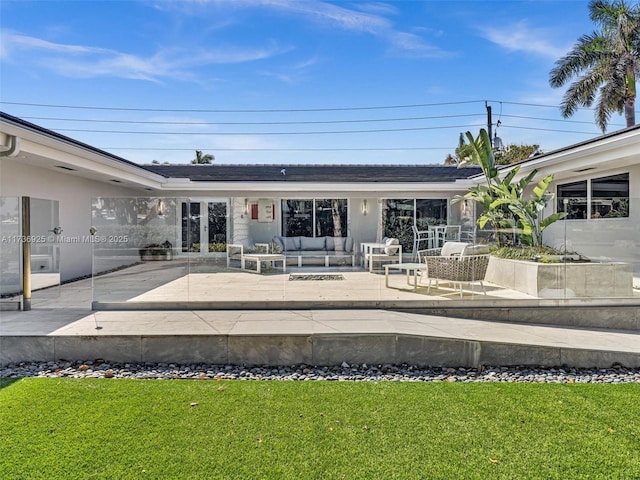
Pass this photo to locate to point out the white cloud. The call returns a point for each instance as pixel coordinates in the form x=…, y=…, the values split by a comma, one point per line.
x=520, y=37
x=377, y=8
x=13, y=41
x=315, y=10
x=294, y=73
x=415, y=46
x=370, y=18
x=86, y=61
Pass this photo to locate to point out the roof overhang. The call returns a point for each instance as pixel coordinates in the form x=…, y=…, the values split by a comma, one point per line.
x=613, y=151
x=51, y=152
x=271, y=188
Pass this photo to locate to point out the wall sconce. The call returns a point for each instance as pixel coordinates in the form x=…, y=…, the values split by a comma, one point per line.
x=246, y=206
x=365, y=207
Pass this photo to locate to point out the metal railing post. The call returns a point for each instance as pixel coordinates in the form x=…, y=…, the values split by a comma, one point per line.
x=26, y=253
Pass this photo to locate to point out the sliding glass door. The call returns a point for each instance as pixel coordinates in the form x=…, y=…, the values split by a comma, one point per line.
x=400, y=215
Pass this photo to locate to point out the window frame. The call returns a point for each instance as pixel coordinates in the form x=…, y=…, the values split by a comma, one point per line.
x=589, y=203
x=406, y=236
x=314, y=210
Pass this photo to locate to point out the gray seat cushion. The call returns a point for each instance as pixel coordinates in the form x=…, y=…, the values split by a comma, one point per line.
x=287, y=244
x=315, y=244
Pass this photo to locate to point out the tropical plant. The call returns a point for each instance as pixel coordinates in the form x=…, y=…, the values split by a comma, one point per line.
x=201, y=159
x=505, y=207
x=606, y=64
x=481, y=154
x=528, y=211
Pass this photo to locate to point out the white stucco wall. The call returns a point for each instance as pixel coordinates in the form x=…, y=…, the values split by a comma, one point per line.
x=603, y=238
x=74, y=194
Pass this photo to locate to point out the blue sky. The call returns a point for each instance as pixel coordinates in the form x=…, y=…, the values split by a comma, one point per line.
x=290, y=81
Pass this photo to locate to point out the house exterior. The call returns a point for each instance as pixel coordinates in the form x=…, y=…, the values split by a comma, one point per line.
x=105, y=203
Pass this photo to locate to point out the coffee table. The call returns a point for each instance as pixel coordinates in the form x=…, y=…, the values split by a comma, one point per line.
x=262, y=257
x=408, y=267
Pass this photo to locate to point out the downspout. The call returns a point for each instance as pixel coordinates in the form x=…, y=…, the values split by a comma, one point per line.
x=13, y=149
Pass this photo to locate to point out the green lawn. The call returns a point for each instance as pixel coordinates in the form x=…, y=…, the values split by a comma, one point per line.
x=108, y=428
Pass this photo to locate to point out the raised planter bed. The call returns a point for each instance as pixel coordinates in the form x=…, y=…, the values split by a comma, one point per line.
x=156, y=252
x=149, y=257
x=559, y=280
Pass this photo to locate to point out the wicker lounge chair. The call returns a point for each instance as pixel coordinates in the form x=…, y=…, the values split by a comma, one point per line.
x=456, y=270
x=457, y=266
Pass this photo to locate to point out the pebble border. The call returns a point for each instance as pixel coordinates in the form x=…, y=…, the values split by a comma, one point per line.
x=345, y=372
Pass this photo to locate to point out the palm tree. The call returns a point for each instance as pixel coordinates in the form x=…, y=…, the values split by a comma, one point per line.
x=463, y=152
x=202, y=159
x=606, y=63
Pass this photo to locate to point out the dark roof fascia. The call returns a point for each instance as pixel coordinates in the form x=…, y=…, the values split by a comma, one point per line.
x=314, y=173
x=62, y=138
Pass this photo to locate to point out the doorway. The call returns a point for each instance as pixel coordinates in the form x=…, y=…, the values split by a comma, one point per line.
x=204, y=226
x=46, y=232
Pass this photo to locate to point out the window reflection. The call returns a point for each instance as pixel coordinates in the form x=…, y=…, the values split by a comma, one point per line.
x=315, y=218
x=576, y=195
x=609, y=197
x=400, y=215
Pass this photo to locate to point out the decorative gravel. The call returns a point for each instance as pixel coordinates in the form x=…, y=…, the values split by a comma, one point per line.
x=345, y=372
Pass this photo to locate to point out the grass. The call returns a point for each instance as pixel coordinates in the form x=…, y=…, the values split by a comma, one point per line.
x=131, y=429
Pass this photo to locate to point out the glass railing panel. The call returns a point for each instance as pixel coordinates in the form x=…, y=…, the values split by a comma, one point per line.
x=10, y=250
x=136, y=250
x=140, y=255
x=597, y=258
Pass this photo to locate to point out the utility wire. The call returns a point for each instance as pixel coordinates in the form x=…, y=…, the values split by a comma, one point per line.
x=558, y=120
x=332, y=132
x=547, y=129
x=285, y=110
x=289, y=110
x=318, y=122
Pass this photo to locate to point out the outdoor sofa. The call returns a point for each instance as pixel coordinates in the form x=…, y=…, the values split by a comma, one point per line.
x=305, y=249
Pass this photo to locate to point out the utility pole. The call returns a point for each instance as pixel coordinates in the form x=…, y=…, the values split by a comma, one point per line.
x=489, y=122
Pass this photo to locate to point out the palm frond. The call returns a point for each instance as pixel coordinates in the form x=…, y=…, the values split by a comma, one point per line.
x=604, y=64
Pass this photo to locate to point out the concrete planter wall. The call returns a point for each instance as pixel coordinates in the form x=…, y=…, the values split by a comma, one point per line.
x=558, y=280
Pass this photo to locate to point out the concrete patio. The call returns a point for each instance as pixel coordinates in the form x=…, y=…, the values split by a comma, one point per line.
x=65, y=327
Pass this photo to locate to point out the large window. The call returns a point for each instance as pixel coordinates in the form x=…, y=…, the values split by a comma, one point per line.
x=399, y=215
x=610, y=196
x=430, y=211
x=314, y=218
x=604, y=197
x=575, y=195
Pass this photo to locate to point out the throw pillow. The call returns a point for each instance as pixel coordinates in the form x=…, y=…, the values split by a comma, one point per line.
x=391, y=250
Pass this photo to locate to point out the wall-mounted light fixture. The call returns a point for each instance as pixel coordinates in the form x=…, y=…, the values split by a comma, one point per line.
x=365, y=207
x=246, y=206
